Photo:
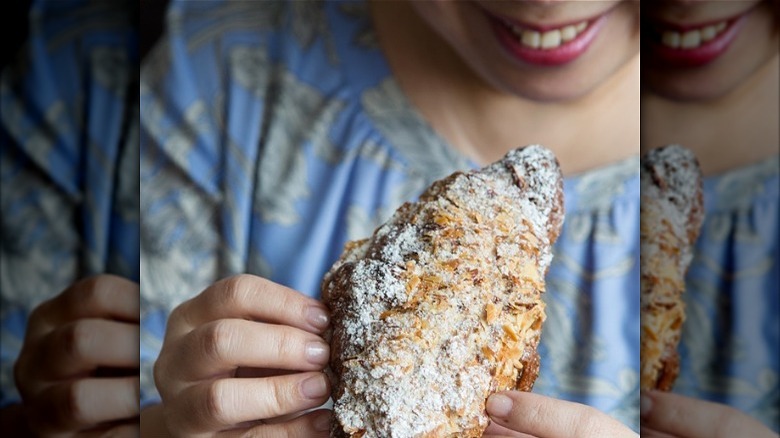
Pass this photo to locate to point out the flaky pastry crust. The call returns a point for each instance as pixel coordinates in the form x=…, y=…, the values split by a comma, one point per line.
x=670, y=218
x=442, y=305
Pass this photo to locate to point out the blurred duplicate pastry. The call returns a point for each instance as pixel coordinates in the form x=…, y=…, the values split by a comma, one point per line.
x=442, y=305
x=671, y=216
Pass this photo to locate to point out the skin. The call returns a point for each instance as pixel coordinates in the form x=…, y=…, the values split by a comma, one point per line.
x=242, y=337
x=731, y=101
x=453, y=69
x=524, y=414
x=77, y=372
x=672, y=415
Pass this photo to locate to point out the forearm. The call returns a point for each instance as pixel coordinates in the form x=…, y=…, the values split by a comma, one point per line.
x=153, y=422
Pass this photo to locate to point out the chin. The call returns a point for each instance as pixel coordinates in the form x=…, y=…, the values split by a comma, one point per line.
x=704, y=84
x=690, y=90
x=555, y=87
x=551, y=92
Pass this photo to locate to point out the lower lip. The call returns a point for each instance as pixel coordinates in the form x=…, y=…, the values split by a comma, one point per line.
x=560, y=55
x=705, y=53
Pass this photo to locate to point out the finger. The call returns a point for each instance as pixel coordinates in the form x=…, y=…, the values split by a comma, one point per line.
x=254, y=298
x=687, y=417
x=313, y=424
x=102, y=296
x=85, y=403
x=224, y=403
x=495, y=430
x=507, y=435
x=262, y=372
x=221, y=346
x=510, y=434
x=86, y=344
x=544, y=417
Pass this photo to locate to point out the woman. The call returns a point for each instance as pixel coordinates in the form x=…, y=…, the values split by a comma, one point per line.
x=272, y=133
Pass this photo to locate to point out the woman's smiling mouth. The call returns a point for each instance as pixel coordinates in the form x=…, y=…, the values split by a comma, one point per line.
x=693, y=45
x=548, y=45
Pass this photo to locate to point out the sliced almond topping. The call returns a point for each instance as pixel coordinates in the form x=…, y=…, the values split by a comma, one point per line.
x=511, y=333
x=451, y=265
x=491, y=313
x=349, y=246
x=442, y=218
x=453, y=233
x=412, y=284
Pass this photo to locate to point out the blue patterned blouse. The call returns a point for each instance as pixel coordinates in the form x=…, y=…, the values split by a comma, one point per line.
x=68, y=161
x=731, y=336
x=272, y=133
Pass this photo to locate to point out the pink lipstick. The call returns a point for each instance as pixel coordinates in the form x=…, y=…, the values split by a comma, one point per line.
x=547, y=45
x=694, y=45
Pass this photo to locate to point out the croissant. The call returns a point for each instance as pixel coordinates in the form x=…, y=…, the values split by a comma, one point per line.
x=671, y=214
x=442, y=305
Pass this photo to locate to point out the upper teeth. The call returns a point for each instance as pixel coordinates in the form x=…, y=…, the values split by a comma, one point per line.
x=692, y=38
x=550, y=39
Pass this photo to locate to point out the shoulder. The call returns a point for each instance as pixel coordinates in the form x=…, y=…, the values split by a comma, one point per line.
x=231, y=72
x=210, y=45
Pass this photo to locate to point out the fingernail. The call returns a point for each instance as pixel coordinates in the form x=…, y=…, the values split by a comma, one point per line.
x=317, y=352
x=322, y=422
x=317, y=317
x=645, y=405
x=315, y=387
x=499, y=405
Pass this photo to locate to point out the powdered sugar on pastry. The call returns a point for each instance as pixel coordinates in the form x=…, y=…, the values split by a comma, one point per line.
x=442, y=305
x=671, y=215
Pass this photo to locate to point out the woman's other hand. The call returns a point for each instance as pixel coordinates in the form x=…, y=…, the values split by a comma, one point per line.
x=245, y=354
x=78, y=368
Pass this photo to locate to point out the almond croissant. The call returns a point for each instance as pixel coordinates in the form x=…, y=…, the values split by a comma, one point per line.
x=671, y=215
x=441, y=306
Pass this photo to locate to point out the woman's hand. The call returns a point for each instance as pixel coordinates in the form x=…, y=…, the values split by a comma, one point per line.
x=524, y=414
x=241, y=355
x=672, y=415
x=78, y=368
